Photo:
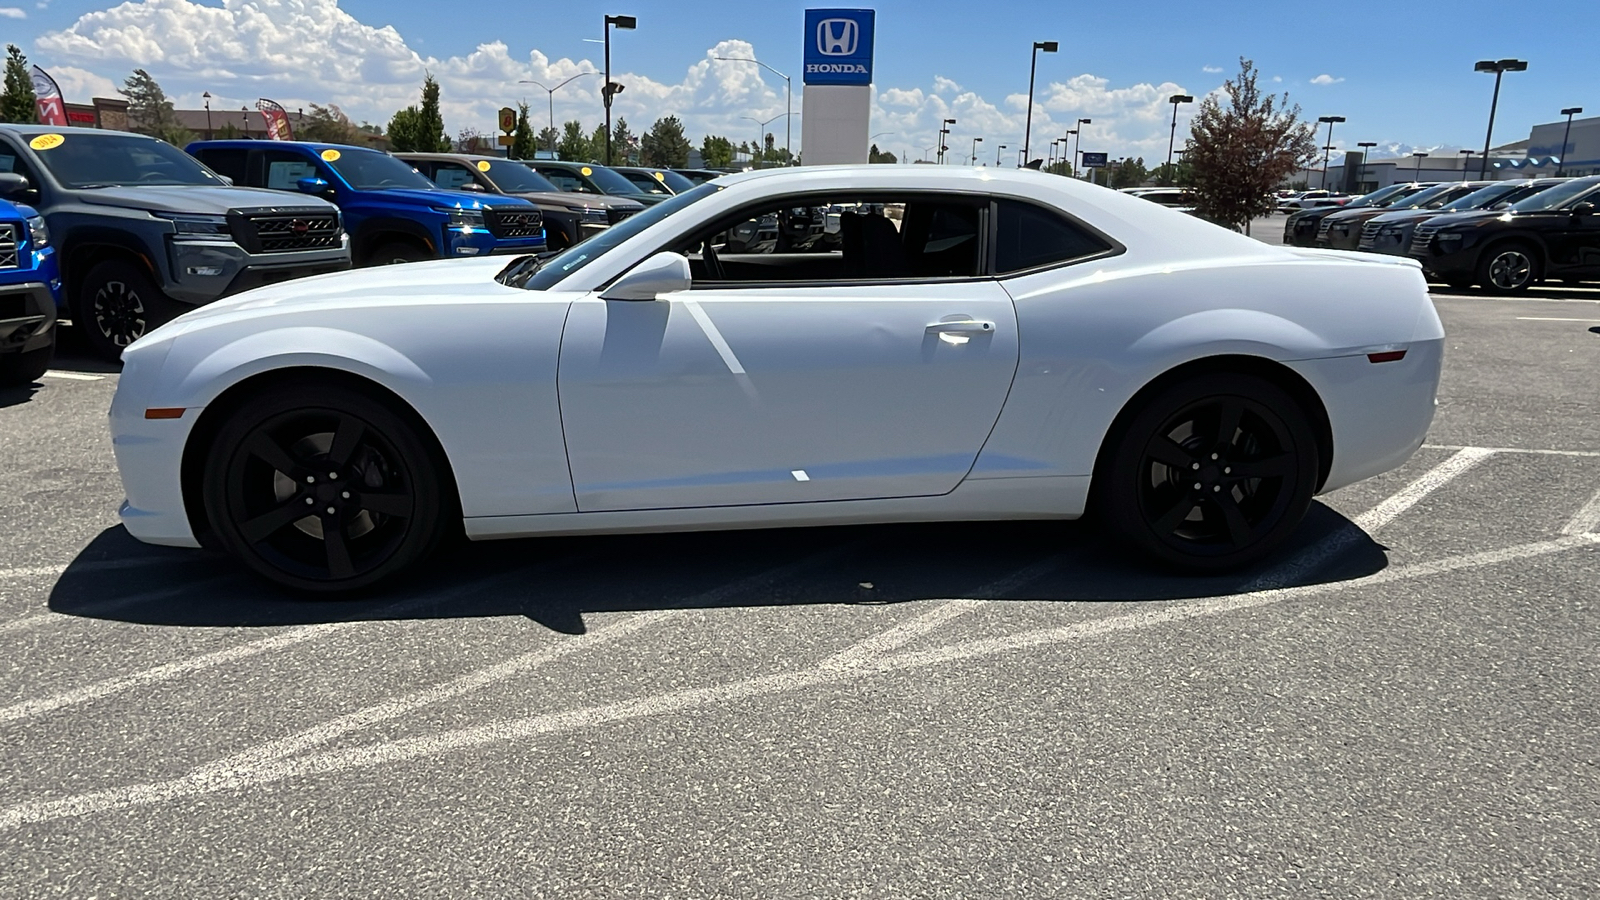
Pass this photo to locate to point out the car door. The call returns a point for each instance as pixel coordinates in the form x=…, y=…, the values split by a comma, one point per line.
x=802, y=390
x=1573, y=240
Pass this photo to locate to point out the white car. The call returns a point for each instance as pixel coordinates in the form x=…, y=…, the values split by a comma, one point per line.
x=984, y=344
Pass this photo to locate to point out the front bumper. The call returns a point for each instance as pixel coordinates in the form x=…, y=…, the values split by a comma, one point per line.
x=203, y=271
x=27, y=315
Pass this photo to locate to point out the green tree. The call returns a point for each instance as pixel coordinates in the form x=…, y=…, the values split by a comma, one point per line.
x=421, y=129
x=149, y=110
x=874, y=155
x=575, y=145
x=716, y=151
x=622, y=141
x=549, y=138
x=1129, y=173
x=522, y=136
x=1241, y=152
x=227, y=132
x=327, y=125
x=17, y=102
x=664, y=145
x=1178, y=174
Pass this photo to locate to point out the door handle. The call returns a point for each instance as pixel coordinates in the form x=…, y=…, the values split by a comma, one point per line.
x=961, y=326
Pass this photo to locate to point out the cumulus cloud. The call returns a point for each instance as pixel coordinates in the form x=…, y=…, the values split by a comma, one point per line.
x=1326, y=79
x=12, y=12
x=943, y=85
x=1211, y=70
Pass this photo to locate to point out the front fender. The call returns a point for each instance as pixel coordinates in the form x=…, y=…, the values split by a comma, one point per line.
x=307, y=346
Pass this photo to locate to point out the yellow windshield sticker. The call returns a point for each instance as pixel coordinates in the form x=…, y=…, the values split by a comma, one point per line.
x=586, y=171
x=330, y=155
x=47, y=142
x=483, y=165
x=661, y=176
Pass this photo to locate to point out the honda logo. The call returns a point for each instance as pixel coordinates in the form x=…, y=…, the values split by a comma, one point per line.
x=838, y=37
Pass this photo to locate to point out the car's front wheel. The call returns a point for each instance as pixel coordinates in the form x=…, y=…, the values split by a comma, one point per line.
x=116, y=304
x=1212, y=473
x=1508, y=268
x=320, y=487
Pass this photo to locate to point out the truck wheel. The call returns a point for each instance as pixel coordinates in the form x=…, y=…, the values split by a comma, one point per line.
x=116, y=305
x=396, y=253
x=17, y=369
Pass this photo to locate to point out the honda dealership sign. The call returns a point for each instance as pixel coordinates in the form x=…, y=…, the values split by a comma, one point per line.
x=838, y=47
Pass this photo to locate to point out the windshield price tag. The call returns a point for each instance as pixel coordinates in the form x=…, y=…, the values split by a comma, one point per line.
x=330, y=155
x=586, y=171
x=483, y=165
x=47, y=142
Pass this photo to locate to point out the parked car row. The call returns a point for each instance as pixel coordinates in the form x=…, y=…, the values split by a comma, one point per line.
x=121, y=232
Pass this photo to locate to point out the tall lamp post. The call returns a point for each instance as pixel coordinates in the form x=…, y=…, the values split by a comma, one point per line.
x=761, y=137
x=1172, y=138
x=1466, y=160
x=788, y=93
x=611, y=89
x=944, y=129
x=1066, y=141
x=1366, y=148
x=1417, y=174
x=1050, y=156
x=551, y=91
x=1499, y=67
x=207, y=96
x=1033, y=68
x=1569, y=112
x=975, y=142
x=997, y=154
x=1078, y=144
x=1329, y=148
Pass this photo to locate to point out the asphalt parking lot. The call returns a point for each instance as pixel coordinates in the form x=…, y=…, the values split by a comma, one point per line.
x=1405, y=704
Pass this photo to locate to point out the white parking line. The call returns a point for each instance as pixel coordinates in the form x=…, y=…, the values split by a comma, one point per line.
x=95, y=610
x=1435, y=478
x=73, y=376
x=1513, y=450
x=209, y=780
x=1551, y=319
x=1587, y=520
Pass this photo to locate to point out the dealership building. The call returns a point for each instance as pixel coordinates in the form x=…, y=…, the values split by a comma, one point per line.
x=1539, y=155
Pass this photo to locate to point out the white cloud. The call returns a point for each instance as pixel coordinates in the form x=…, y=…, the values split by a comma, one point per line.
x=1211, y=70
x=943, y=85
x=12, y=12
x=1277, y=79
x=80, y=84
x=1326, y=79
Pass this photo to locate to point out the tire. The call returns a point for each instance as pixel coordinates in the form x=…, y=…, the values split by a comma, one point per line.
x=116, y=304
x=268, y=491
x=1175, y=489
x=397, y=253
x=17, y=369
x=1509, y=268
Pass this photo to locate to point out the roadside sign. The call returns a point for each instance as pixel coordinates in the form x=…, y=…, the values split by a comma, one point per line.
x=1094, y=160
x=508, y=119
x=505, y=140
x=838, y=46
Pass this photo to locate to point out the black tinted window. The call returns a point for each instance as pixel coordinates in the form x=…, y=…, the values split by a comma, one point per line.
x=1031, y=237
x=224, y=161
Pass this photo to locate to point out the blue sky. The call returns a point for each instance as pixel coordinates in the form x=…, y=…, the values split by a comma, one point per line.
x=1401, y=74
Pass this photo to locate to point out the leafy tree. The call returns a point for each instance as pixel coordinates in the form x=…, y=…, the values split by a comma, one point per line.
x=622, y=140
x=549, y=138
x=575, y=145
x=328, y=125
x=149, y=110
x=17, y=102
x=597, y=144
x=421, y=129
x=716, y=151
x=471, y=140
x=1178, y=174
x=665, y=145
x=1129, y=173
x=874, y=155
x=522, y=136
x=1242, y=152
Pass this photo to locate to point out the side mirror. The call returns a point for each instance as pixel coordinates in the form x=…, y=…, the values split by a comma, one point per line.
x=311, y=185
x=13, y=185
x=471, y=186
x=1583, y=209
x=664, y=273
x=226, y=179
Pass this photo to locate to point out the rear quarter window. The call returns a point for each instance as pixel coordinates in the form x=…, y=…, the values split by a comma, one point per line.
x=1031, y=237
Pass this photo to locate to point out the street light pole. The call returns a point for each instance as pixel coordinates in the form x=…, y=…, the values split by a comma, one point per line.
x=207, y=96
x=943, y=131
x=1066, y=143
x=626, y=23
x=1366, y=147
x=1499, y=67
x=1466, y=159
x=1078, y=144
x=1417, y=175
x=1033, y=68
x=788, y=93
x=551, y=96
x=1175, y=99
x=1329, y=148
x=997, y=155
x=1569, y=112
x=975, y=142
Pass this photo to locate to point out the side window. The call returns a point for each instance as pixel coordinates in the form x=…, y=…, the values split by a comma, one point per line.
x=451, y=176
x=225, y=161
x=1031, y=236
x=564, y=180
x=283, y=169
x=13, y=162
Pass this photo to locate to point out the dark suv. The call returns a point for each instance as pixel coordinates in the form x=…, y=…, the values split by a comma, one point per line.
x=1342, y=230
x=588, y=178
x=1553, y=234
x=1391, y=232
x=1300, y=229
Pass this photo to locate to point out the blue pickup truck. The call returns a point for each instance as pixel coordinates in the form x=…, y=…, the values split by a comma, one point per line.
x=30, y=287
x=392, y=213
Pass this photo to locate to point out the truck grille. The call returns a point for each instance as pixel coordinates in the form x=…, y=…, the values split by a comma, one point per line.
x=514, y=223
x=1369, y=235
x=288, y=233
x=617, y=215
x=1323, y=229
x=9, y=258
x=1422, y=241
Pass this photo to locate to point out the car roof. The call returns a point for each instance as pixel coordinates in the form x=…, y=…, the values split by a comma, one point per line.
x=473, y=157
x=66, y=129
x=245, y=142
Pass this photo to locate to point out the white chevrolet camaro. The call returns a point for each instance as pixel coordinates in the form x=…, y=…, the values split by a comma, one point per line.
x=967, y=344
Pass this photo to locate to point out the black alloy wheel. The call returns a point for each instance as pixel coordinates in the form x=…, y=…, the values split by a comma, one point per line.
x=1508, y=268
x=322, y=488
x=1214, y=473
x=117, y=304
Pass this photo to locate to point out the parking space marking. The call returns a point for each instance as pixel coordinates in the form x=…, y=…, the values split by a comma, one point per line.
x=209, y=781
x=1435, y=478
x=1587, y=519
x=1513, y=450
x=31, y=572
x=73, y=376
x=1551, y=319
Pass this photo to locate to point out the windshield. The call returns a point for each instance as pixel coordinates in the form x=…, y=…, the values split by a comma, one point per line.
x=1556, y=197
x=1383, y=196
x=369, y=170
x=577, y=256
x=677, y=182
x=644, y=182
x=118, y=160
x=609, y=181
x=1422, y=198
x=516, y=178
x=1484, y=198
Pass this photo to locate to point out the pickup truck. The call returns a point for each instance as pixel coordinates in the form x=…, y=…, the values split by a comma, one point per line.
x=29, y=286
x=393, y=212
x=143, y=233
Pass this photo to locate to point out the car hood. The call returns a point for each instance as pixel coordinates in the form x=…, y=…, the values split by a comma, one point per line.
x=441, y=197
x=1465, y=218
x=197, y=199
x=1406, y=216
x=576, y=201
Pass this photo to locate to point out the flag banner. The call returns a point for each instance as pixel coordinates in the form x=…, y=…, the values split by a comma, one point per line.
x=277, y=120
x=52, y=110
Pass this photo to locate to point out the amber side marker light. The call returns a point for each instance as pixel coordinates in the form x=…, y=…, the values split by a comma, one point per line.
x=164, y=412
x=1386, y=356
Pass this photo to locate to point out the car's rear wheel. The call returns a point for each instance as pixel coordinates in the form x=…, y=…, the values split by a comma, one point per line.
x=116, y=304
x=323, y=488
x=25, y=368
x=1508, y=268
x=1212, y=473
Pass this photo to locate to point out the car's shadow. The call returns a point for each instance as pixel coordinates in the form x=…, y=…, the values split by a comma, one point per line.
x=556, y=581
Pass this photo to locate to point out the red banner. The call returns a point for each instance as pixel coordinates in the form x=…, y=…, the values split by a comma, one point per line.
x=52, y=111
x=277, y=119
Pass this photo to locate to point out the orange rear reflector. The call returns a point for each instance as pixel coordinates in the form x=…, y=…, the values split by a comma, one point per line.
x=164, y=412
x=1386, y=356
